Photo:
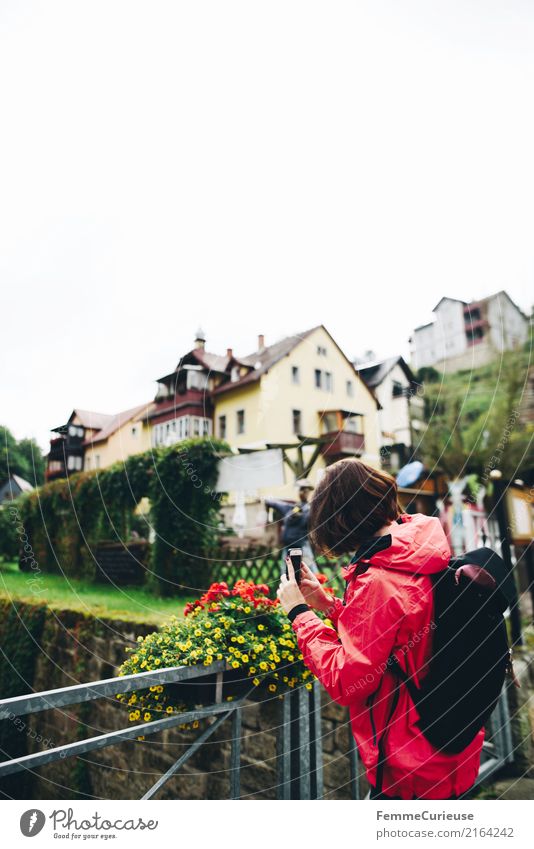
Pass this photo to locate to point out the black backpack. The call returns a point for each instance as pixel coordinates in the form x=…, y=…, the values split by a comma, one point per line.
x=470, y=653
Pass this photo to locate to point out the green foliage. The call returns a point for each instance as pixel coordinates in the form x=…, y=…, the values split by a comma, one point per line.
x=23, y=458
x=474, y=420
x=66, y=519
x=9, y=539
x=185, y=513
x=21, y=627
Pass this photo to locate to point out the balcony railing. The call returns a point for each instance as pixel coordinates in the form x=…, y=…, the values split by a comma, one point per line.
x=340, y=443
x=299, y=743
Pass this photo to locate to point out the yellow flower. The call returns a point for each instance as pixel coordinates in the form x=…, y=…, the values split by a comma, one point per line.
x=309, y=686
x=263, y=665
x=196, y=723
x=170, y=710
x=241, y=639
x=252, y=670
x=132, y=716
x=272, y=688
x=147, y=716
x=261, y=627
x=244, y=658
x=235, y=664
x=255, y=681
x=247, y=609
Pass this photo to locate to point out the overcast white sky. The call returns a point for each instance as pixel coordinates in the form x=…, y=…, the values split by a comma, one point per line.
x=253, y=168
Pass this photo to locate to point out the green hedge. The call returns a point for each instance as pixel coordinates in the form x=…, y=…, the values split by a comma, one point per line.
x=9, y=538
x=65, y=519
x=21, y=627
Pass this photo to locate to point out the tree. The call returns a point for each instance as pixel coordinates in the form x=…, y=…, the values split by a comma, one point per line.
x=23, y=458
x=474, y=421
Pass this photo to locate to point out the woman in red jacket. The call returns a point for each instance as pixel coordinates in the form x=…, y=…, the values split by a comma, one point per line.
x=387, y=609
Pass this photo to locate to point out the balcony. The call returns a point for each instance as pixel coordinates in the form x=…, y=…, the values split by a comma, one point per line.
x=57, y=449
x=342, y=443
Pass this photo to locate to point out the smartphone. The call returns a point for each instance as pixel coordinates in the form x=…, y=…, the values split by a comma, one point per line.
x=295, y=555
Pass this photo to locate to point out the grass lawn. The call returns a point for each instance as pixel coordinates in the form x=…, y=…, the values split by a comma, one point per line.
x=130, y=603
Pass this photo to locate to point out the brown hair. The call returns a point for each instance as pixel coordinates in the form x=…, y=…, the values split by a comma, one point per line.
x=350, y=504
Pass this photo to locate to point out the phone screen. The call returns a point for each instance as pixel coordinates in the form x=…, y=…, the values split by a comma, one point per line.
x=295, y=555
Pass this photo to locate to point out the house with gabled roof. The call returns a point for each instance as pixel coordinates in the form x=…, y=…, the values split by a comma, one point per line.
x=401, y=413
x=301, y=387
x=469, y=334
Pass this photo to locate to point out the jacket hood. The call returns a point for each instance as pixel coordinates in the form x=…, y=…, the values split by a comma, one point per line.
x=418, y=545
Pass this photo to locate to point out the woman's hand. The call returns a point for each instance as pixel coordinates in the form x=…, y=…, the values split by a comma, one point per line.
x=289, y=592
x=314, y=593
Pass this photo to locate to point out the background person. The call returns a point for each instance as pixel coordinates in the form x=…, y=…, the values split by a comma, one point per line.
x=388, y=608
x=295, y=523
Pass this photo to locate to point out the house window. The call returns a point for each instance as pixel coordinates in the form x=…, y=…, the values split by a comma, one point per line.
x=295, y=374
x=134, y=432
x=234, y=374
x=196, y=379
x=321, y=351
x=353, y=424
x=206, y=428
x=240, y=421
x=350, y=388
x=328, y=381
x=397, y=389
x=297, y=421
x=222, y=427
x=97, y=461
x=318, y=378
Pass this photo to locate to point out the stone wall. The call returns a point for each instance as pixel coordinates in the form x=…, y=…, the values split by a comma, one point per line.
x=75, y=648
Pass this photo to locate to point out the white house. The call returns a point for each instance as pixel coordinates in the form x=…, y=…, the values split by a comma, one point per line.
x=468, y=335
x=401, y=412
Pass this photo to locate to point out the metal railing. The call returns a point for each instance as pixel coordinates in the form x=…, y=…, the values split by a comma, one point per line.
x=299, y=754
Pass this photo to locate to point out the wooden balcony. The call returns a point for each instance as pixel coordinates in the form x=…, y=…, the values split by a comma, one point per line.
x=342, y=443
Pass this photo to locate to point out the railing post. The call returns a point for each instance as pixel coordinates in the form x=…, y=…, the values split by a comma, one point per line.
x=283, y=753
x=235, y=755
x=316, y=742
x=354, y=761
x=303, y=743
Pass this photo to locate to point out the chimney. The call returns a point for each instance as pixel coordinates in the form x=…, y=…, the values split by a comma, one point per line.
x=229, y=353
x=200, y=341
x=261, y=342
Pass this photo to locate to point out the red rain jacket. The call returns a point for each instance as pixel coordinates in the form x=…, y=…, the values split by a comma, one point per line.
x=389, y=608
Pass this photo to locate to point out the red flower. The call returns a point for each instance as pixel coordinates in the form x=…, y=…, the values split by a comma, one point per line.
x=322, y=578
x=192, y=605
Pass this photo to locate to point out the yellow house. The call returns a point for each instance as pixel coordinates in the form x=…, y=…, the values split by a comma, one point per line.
x=124, y=434
x=301, y=387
